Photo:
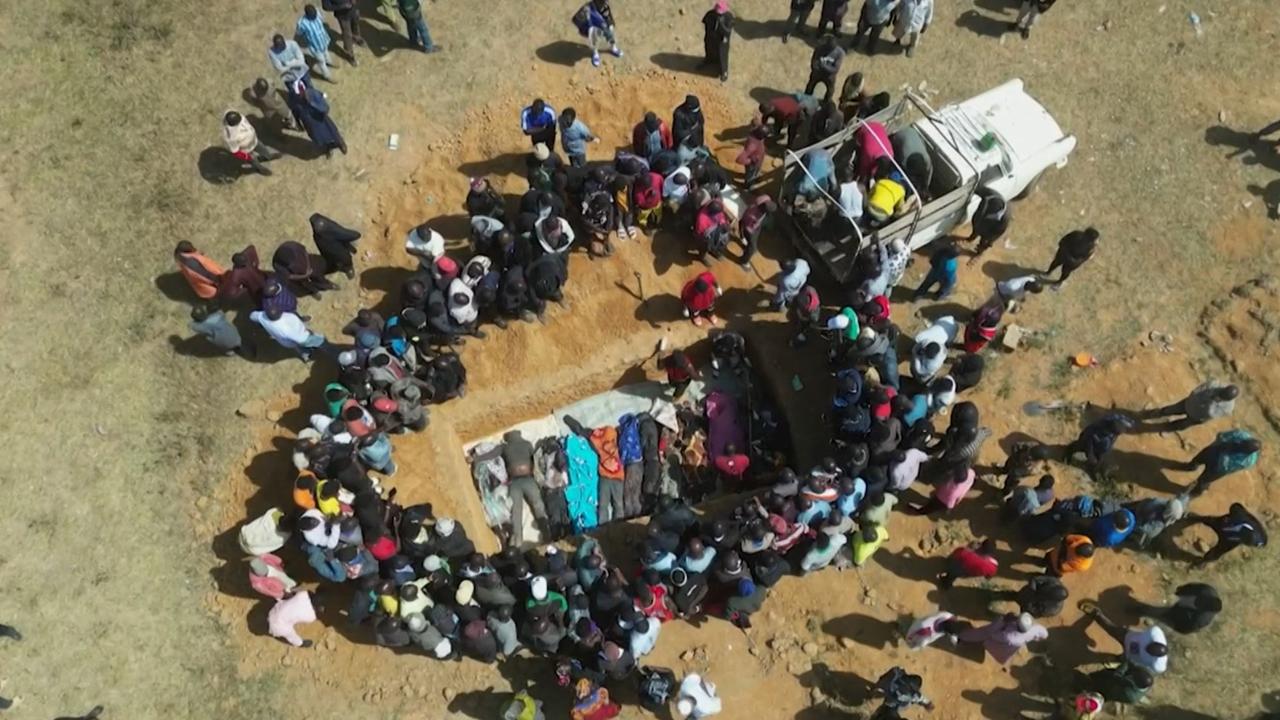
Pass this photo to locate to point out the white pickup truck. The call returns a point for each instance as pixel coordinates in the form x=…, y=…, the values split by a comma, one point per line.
x=1003, y=139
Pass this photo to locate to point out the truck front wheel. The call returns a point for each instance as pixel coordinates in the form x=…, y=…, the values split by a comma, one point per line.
x=1030, y=189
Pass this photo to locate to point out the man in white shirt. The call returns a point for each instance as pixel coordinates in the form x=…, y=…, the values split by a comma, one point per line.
x=425, y=244
x=644, y=637
x=318, y=531
x=930, y=351
x=1147, y=647
x=289, y=331
x=697, y=698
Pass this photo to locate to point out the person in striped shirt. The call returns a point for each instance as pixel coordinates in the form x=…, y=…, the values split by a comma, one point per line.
x=315, y=37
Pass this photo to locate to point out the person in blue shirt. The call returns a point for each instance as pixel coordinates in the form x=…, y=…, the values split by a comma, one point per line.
x=1112, y=529
x=538, y=123
x=942, y=271
x=316, y=38
x=575, y=135
x=852, y=490
x=1232, y=451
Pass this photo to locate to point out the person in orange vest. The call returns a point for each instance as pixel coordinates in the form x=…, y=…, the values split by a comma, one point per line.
x=201, y=273
x=1073, y=554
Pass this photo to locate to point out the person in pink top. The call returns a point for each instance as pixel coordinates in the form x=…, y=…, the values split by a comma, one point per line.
x=1006, y=636
x=873, y=143
x=287, y=614
x=267, y=577
x=948, y=493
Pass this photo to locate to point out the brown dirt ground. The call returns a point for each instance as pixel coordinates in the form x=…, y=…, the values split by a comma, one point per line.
x=598, y=342
x=116, y=480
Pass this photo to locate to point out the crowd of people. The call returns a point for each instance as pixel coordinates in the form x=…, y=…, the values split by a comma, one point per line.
x=408, y=577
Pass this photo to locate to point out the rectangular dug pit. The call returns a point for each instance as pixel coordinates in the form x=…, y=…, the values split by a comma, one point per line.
x=729, y=409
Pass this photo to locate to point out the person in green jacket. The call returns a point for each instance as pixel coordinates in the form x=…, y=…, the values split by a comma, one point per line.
x=1122, y=683
x=545, y=603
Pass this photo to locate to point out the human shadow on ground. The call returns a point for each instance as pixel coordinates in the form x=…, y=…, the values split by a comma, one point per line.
x=679, y=62
x=1170, y=712
x=762, y=93
x=1246, y=144
x=997, y=6
x=862, y=629
x=380, y=41
x=564, y=52
x=510, y=163
x=910, y=565
x=1269, y=194
x=981, y=24
x=956, y=310
x=764, y=29
x=848, y=688
x=998, y=271
x=218, y=166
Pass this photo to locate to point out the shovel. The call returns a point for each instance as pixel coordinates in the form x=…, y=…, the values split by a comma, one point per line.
x=1036, y=408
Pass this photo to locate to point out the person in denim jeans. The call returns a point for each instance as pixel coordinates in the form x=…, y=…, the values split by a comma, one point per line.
x=942, y=272
x=419, y=34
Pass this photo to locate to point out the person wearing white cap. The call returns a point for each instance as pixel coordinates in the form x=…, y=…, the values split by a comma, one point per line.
x=543, y=602
x=452, y=540
x=697, y=698
x=427, y=637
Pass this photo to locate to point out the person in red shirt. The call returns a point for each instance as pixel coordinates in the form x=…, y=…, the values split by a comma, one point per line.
x=711, y=225
x=782, y=110
x=970, y=561
x=680, y=371
x=647, y=198
x=751, y=224
x=804, y=313
x=650, y=137
x=699, y=298
x=753, y=153
x=732, y=465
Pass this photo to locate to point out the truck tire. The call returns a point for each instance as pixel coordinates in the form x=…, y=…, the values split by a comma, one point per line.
x=1030, y=189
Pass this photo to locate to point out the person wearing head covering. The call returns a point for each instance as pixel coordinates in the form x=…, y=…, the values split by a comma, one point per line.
x=334, y=243
x=268, y=578
x=451, y=539
x=242, y=142
x=1006, y=636
x=687, y=122
x=717, y=26
x=699, y=298
x=1074, y=554
x=311, y=108
x=697, y=698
